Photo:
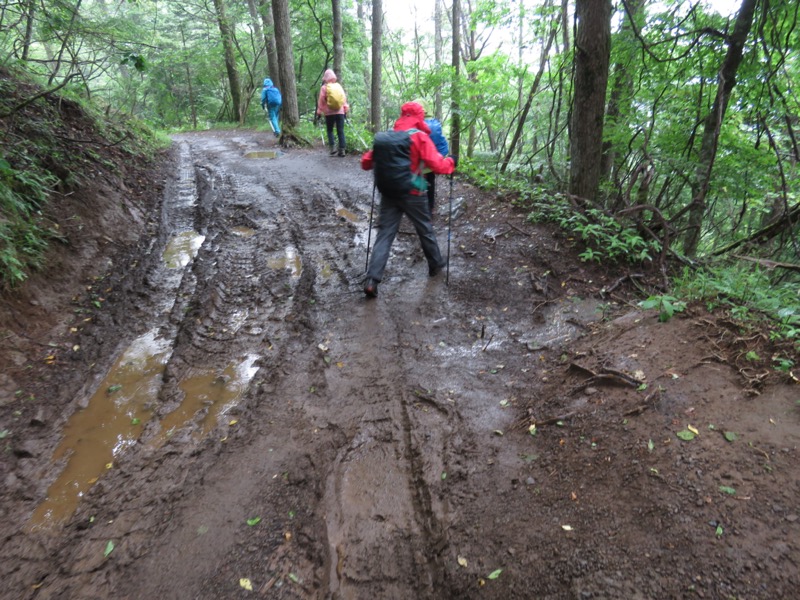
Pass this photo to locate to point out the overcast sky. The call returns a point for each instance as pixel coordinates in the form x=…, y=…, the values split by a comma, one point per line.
x=401, y=15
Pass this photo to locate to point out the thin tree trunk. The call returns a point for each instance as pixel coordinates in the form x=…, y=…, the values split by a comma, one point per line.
x=377, y=44
x=592, y=54
x=455, y=129
x=226, y=34
x=713, y=124
x=265, y=10
x=192, y=105
x=338, y=47
x=438, y=44
x=622, y=88
x=290, y=113
x=526, y=109
x=30, y=14
x=64, y=42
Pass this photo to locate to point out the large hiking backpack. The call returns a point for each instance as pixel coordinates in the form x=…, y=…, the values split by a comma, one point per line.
x=391, y=164
x=334, y=94
x=274, y=97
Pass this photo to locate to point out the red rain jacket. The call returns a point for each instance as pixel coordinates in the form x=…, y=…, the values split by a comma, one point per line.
x=412, y=116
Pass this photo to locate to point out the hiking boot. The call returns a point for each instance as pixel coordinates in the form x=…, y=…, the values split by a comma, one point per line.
x=434, y=271
x=341, y=151
x=371, y=288
x=333, y=151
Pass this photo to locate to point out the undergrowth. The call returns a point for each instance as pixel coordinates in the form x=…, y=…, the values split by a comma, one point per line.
x=750, y=294
x=39, y=159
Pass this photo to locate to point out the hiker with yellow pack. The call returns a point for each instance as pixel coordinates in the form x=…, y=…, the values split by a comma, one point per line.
x=332, y=103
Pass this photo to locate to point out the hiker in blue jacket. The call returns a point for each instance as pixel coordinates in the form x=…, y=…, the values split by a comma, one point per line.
x=271, y=101
x=438, y=139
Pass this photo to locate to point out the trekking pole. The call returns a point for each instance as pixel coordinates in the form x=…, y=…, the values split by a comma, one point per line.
x=369, y=233
x=266, y=114
x=449, y=230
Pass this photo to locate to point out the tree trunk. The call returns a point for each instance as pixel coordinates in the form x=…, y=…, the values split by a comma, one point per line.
x=455, y=127
x=535, y=86
x=377, y=44
x=338, y=47
x=192, y=103
x=713, y=123
x=438, y=44
x=64, y=42
x=265, y=9
x=621, y=94
x=30, y=14
x=226, y=33
x=290, y=114
x=592, y=54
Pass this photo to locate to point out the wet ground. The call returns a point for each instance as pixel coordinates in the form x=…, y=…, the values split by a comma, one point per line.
x=224, y=415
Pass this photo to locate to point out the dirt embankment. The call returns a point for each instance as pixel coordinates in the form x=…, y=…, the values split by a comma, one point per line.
x=227, y=416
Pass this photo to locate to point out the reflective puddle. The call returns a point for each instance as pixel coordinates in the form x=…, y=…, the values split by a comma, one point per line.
x=263, y=154
x=113, y=420
x=347, y=214
x=291, y=260
x=182, y=248
x=245, y=232
x=212, y=390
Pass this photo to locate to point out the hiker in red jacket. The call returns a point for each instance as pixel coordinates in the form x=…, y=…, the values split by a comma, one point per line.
x=408, y=194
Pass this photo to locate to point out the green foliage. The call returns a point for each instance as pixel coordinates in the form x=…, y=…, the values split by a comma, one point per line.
x=23, y=236
x=667, y=306
x=749, y=293
x=606, y=238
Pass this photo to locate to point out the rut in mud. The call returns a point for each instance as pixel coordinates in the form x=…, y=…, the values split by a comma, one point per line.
x=260, y=424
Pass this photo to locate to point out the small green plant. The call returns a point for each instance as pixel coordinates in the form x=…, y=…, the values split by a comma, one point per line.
x=667, y=306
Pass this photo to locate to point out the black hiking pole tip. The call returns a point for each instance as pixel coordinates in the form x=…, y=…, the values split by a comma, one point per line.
x=449, y=231
x=369, y=231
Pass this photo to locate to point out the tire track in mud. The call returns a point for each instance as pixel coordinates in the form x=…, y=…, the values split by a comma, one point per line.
x=339, y=437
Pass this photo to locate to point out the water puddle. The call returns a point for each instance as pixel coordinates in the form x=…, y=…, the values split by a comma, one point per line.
x=182, y=248
x=564, y=323
x=263, y=154
x=113, y=420
x=347, y=214
x=211, y=389
x=291, y=260
x=245, y=232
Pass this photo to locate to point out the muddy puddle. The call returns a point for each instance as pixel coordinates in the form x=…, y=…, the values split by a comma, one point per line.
x=211, y=392
x=182, y=249
x=113, y=420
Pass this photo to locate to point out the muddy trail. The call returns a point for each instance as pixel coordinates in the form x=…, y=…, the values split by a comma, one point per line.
x=239, y=421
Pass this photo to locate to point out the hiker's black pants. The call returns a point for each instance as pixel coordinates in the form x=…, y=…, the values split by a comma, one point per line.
x=337, y=121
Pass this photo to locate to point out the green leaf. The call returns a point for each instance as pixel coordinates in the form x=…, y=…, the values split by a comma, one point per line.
x=444, y=475
x=727, y=490
x=495, y=574
x=113, y=388
x=254, y=521
x=752, y=355
x=719, y=530
x=294, y=578
x=650, y=445
x=135, y=421
x=686, y=435
x=109, y=548
x=730, y=436
x=4, y=434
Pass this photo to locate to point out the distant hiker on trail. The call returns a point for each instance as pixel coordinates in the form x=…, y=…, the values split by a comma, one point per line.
x=437, y=137
x=332, y=103
x=398, y=158
x=271, y=101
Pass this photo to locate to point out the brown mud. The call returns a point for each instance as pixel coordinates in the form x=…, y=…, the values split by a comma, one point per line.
x=213, y=410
